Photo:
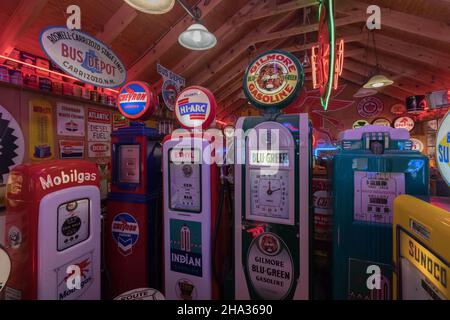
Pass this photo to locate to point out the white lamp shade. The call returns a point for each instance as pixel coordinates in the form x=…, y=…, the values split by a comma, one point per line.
x=152, y=6
x=378, y=81
x=363, y=92
x=197, y=37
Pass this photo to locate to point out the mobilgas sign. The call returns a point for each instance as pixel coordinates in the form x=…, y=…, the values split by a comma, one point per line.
x=273, y=80
x=195, y=107
x=83, y=57
x=443, y=148
x=136, y=100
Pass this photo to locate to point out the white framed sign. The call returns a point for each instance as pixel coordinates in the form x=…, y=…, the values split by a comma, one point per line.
x=99, y=125
x=83, y=56
x=70, y=120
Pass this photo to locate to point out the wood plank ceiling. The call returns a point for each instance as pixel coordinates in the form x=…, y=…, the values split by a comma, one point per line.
x=413, y=45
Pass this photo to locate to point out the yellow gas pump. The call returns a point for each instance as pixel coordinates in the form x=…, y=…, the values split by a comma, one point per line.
x=421, y=250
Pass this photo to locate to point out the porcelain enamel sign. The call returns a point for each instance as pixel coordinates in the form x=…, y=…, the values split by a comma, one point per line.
x=136, y=100
x=195, y=107
x=443, y=149
x=273, y=80
x=83, y=57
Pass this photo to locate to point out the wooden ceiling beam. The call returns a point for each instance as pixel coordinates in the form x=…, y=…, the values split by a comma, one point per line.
x=237, y=49
x=428, y=28
x=411, y=51
x=26, y=12
x=299, y=30
x=302, y=47
x=403, y=68
x=117, y=23
x=275, y=9
x=226, y=30
x=409, y=86
x=170, y=38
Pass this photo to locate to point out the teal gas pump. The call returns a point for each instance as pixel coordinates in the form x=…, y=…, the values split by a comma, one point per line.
x=374, y=165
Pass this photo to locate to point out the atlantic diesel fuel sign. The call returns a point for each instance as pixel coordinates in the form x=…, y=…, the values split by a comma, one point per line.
x=273, y=80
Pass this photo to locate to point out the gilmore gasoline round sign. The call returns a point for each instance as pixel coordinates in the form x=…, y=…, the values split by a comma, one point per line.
x=195, y=108
x=83, y=57
x=273, y=80
x=443, y=149
x=136, y=100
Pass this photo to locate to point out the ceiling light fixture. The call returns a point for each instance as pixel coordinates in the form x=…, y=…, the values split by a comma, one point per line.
x=363, y=92
x=377, y=80
x=152, y=6
x=196, y=36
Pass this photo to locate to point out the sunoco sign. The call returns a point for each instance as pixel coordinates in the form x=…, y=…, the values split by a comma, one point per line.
x=83, y=57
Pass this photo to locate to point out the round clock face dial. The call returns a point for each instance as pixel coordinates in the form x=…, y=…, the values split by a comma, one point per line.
x=269, y=193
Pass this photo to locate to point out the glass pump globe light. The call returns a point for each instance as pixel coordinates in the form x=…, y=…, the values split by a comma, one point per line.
x=363, y=92
x=378, y=81
x=152, y=6
x=197, y=37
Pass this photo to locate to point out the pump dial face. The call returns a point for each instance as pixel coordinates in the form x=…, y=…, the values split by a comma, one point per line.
x=269, y=193
x=185, y=187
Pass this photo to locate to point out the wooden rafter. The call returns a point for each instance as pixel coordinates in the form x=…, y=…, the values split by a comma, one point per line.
x=117, y=23
x=428, y=28
x=295, y=31
x=405, y=69
x=238, y=48
x=404, y=84
x=23, y=16
x=275, y=10
x=153, y=53
x=415, y=52
x=226, y=30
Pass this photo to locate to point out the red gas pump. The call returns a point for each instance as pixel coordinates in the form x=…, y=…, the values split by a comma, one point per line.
x=53, y=231
x=133, y=221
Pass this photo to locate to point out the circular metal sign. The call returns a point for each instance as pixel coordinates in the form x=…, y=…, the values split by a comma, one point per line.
x=5, y=268
x=381, y=122
x=404, y=123
x=141, y=294
x=270, y=267
x=360, y=123
x=136, y=101
x=417, y=145
x=273, y=80
x=443, y=149
x=195, y=108
x=370, y=107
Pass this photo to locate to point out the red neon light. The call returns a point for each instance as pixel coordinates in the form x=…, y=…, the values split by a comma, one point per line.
x=319, y=64
x=221, y=122
x=47, y=70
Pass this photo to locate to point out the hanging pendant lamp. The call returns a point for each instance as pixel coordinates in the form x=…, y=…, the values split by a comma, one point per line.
x=197, y=37
x=152, y=6
x=363, y=92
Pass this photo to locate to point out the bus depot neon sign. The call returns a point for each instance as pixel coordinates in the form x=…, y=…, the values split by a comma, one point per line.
x=327, y=56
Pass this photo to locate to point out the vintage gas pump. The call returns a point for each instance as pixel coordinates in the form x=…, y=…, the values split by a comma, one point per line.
x=374, y=166
x=134, y=218
x=53, y=231
x=273, y=157
x=421, y=252
x=191, y=189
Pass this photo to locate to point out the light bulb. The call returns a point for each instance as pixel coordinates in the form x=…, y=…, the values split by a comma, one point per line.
x=377, y=85
x=197, y=36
